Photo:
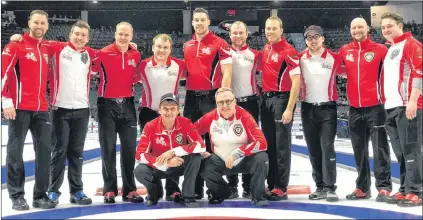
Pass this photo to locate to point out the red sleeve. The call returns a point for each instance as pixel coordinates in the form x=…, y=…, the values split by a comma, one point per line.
x=9, y=58
x=341, y=69
x=195, y=142
x=137, y=74
x=143, y=152
x=293, y=62
x=203, y=124
x=383, y=51
x=96, y=65
x=413, y=55
x=225, y=56
x=53, y=46
x=183, y=67
x=256, y=140
x=257, y=56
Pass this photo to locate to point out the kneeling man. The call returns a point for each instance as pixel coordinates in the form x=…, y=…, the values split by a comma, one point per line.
x=238, y=146
x=170, y=146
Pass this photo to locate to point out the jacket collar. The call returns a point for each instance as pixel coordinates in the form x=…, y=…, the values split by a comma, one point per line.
x=236, y=115
x=325, y=52
x=241, y=49
x=281, y=44
x=30, y=39
x=75, y=49
x=160, y=127
x=116, y=48
x=168, y=62
x=404, y=36
x=205, y=38
x=364, y=43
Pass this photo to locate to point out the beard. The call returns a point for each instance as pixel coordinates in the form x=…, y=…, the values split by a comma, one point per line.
x=37, y=33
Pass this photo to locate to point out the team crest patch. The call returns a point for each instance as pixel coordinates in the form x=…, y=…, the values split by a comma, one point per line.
x=179, y=138
x=84, y=58
x=238, y=129
x=369, y=56
x=395, y=53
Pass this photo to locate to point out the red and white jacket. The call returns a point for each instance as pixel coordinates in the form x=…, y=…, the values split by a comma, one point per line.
x=244, y=67
x=155, y=140
x=279, y=61
x=159, y=80
x=24, y=69
x=239, y=136
x=364, y=67
x=70, y=75
x=318, y=73
x=118, y=71
x=403, y=71
x=203, y=59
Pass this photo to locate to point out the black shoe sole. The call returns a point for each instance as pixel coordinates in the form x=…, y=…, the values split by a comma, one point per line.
x=358, y=198
x=138, y=200
x=381, y=199
x=393, y=202
x=36, y=205
x=317, y=197
x=20, y=208
x=151, y=203
x=277, y=198
x=109, y=201
x=81, y=202
x=400, y=204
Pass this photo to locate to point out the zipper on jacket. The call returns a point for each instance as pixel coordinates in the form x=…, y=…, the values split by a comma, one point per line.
x=123, y=61
x=198, y=47
x=271, y=48
x=41, y=68
x=170, y=138
x=358, y=73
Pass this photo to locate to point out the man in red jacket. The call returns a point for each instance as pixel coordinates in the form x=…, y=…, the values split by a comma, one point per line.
x=363, y=60
x=169, y=147
x=209, y=67
x=238, y=146
x=403, y=92
x=281, y=84
x=117, y=64
x=24, y=78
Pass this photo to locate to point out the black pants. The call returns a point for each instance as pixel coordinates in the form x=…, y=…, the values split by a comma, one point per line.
x=369, y=123
x=406, y=140
x=40, y=127
x=71, y=126
x=278, y=136
x=151, y=178
x=213, y=168
x=117, y=118
x=146, y=115
x=197, y=104
x=252, y=107
x=319, y=127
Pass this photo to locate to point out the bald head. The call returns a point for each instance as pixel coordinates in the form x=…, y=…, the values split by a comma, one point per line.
x=359, y=21
x=359, y=29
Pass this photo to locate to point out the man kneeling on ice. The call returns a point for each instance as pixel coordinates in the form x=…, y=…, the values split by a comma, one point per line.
x=170, y=146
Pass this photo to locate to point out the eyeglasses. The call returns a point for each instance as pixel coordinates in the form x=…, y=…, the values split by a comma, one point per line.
x=317, y=36
x=227, y=102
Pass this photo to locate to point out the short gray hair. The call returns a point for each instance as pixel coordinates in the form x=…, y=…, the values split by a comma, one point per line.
x=224, y=89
